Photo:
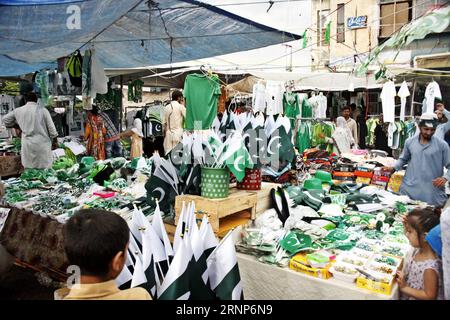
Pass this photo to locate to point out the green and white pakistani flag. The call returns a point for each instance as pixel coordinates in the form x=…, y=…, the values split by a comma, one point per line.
x=305, y=39
x=236, y=156
x=327, y=32
x=176, y=284
x=223, y=269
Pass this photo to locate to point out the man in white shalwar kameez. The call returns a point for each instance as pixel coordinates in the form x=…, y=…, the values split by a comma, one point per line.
x=174, y=115
x=38, y=131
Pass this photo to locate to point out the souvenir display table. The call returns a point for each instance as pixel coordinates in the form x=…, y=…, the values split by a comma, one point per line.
x=267, y=282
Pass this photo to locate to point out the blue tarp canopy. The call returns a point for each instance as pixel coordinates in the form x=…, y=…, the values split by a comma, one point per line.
x=124, y=34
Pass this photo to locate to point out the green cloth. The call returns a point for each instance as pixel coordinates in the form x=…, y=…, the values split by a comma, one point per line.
x=135, y=90
x=303, y=141
x=201, y=93
x=371, y=125
x=318, y=129
x=291, y=105
x=306, y=109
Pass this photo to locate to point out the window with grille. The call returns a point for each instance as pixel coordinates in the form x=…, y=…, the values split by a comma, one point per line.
x=340, y=32
x=394, y=15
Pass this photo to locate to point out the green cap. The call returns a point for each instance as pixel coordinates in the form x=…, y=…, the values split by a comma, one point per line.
x=313, y=184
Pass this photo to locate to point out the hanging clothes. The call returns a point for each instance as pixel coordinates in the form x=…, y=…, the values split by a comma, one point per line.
x=291, y=103
x=321, y=106
x=306, y=111
x=387, y=96
x=303, y=140
x=135, y=90
x=202, y=93
x=274, y=97
x=371, y=126
x=431, y=93
x=314, y=103
x=403, y=93
x=259, y=97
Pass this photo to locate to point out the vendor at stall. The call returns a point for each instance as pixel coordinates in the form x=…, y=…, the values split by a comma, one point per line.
x=174, y=115
x=351, y=124
x=38, y=131
x=426, y=157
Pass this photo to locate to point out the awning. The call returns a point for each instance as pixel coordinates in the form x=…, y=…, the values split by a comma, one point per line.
x=125, y=34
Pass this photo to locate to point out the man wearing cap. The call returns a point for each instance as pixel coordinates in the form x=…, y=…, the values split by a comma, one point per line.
x=426, y=157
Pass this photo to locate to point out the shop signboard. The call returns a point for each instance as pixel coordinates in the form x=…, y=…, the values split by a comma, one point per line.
x=357, y=22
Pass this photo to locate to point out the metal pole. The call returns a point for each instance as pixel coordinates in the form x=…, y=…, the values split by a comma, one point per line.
x=121, y=104
x=412, y=98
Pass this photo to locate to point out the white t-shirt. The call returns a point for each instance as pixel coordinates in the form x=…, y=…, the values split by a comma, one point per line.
x=322, y=107
x=403, y=92
x=431, y=92
x=391, y=132
x=259, y=98
x=388, y=101
x=274, y=97
x=314, y=102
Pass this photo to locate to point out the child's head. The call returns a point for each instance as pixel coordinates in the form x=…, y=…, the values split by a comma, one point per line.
x=418, y=223
x=96, y=241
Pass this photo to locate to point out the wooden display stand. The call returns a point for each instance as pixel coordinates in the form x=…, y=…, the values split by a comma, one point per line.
x=227, y=213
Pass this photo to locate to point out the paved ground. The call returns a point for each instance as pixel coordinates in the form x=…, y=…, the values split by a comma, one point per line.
x=22, y=284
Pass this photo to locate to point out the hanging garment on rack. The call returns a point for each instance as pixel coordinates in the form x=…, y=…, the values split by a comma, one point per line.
x=387, y=96
x=321, y=111
x=6, y=106
x=303, y=140
x=306, y=111
x=152, y=120
x=202, y=93
x=371, y=126
x=291, y=105
x=135, y=90
x=431, y=93
x=392, y=132
x=314, y=103
x=274, y=97
x=112, y=99
x=403, y=93
x=259, y=97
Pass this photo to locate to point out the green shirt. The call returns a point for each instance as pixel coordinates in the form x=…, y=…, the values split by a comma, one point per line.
x=202, y=94
x=306, y=109
x=291, y=106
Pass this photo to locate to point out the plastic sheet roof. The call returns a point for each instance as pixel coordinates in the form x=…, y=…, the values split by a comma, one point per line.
x=125, y=34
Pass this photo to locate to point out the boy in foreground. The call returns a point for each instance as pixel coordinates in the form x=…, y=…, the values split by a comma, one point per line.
x=97, y=242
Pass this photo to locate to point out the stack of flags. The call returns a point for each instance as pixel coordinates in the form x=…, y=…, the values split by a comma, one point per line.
x=196, y=267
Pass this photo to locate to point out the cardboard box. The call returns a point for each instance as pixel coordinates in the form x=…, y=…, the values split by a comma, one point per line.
x=375, y=286
x=299, y=263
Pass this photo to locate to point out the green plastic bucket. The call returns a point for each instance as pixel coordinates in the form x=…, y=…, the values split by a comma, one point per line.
x=215, y=183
